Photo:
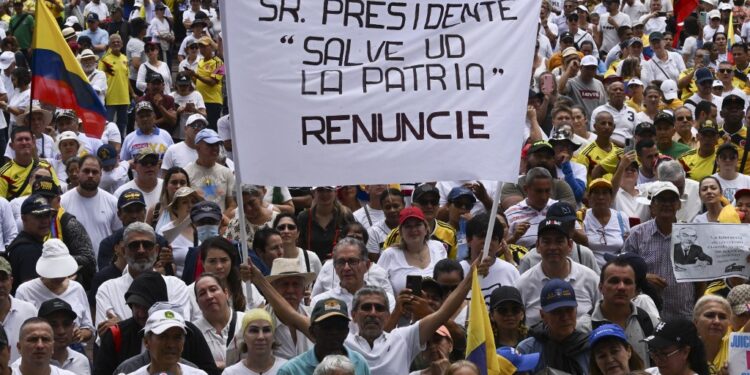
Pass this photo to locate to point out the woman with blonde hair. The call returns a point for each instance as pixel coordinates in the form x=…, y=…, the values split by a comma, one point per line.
x=257, y=342
x=711, y=316
x=462, y=368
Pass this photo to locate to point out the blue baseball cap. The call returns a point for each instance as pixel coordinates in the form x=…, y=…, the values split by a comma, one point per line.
x=107, y=155
x=557, y=293
x=703, y=75
x=129, y=197
x=207, y=135
x=461, y=192
x=522, y=362
x=605, y=331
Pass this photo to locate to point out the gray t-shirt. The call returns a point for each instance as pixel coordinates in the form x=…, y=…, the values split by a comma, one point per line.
x=589, y=95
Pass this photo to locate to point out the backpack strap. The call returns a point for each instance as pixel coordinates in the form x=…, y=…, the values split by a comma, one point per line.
x=644, y=320
x=116, y=337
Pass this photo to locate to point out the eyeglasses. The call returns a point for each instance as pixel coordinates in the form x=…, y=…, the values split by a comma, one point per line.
x=463, y=205
x=136, y=245
x=341, y=263
x=197, y=125
x=512, y=310
x=684, y=118
x=428, y=202
x=602, y=236
x=725, y=71
x=148, y=163
x=289, y=227
x=659, y=356
x=367, y=307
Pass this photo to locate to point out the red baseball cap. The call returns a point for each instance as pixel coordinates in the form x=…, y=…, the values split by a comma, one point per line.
x=410, y=212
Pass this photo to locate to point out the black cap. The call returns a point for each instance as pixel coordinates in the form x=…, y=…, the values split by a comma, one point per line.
x=503, y=294
x=107, y=155
x=183, y=79
x=664, y=117
x=655, y=36
x=205, y=209
x=92, y=16
x=541, y=146
x=329, y=308
x=160, y=6
x=54, y=305
x=423, y=189
x=153, y=77
x=200, y=18
x=46, y=187
x=563, y=227
x=732, y=99
x=727, y=146
x=567, y=36
x=147, y=289
x=130, y=197
x=645, y=127
x=35, y=204
x=561, y=211
x=680, y=332
x=708, y=126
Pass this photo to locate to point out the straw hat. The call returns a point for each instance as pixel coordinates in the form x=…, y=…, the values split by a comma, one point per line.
x=21, y=119
x=286, y=267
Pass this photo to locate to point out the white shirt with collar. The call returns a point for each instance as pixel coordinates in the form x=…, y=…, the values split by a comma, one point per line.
x=584, y=281
x=391, y=353
x=368, y=216
x=624, y=121
x=327, y=278
x=18, y=313
x=35, y=292
x=521, y=212
x=657, y=69
x=8, y=229
x=111, y=296
x=283, y=337
x=217, y=341
x=76, y=363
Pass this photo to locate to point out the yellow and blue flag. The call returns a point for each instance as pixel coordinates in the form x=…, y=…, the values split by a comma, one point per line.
x=480, y=343
x=57, y=77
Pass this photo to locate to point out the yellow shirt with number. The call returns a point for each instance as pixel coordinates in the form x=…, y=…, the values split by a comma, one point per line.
x=118, y=84
x=210, y=68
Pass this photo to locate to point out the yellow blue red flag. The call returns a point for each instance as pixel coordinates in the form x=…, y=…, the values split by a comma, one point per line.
x=57, y=77
x=480, y=343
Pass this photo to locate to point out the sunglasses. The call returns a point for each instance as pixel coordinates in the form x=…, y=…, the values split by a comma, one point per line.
x=136, y=245
x=367, y=307
x=148, y=163
x=512, y=310
x=725, y=71
x=281, y=227
x=684, y=118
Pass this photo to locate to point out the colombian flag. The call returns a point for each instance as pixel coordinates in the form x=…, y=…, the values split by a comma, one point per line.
x=58, y=79
x=480, y=343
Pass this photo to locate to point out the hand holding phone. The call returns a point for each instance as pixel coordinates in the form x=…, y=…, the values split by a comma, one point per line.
x=414, y=283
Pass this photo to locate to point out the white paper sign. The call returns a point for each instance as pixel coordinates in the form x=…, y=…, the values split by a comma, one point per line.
x=739, y=354
x=703, y=252
x=327, y=92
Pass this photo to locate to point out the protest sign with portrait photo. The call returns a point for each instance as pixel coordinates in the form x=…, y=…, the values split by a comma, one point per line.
x=704, y=252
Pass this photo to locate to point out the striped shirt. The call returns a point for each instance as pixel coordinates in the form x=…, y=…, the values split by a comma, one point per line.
x=647, y=241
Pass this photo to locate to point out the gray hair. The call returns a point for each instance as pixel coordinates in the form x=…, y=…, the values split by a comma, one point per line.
x=670, y=170
x=703, y=301
x=334, y=364
x=537, y=173
x=351, y=241
x=138, y=227
x=253, y=190
x=369, y=290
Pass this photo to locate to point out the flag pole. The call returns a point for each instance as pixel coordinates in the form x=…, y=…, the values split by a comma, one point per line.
x=491, y=222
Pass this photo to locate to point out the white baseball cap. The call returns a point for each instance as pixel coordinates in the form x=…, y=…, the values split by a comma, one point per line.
x=7, y=58
x=714, y=14
x=163, y=319
x=725, y=6
x=56, y=261
x=589, y=60
x=656, y=188
x=717, y=83
x=669, y=88
x=635, y=81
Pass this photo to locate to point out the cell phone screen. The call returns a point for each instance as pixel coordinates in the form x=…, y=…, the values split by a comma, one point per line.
x=414, y=282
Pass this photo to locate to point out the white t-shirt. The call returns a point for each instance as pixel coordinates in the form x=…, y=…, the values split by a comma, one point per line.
x=97, y=214
x=135, y=142
x=180, y=101
x=185, y=369
x=730, y=187
x=54, y=370
x=239, y=368
x=708, y=32
x=157, y=28
x=100, y=9
x=111, y=133
x=368, y=216
x=151, y=197
x=135, y=47
x=20, y=99
x=44, y=143
x=376, y=236
x=34, y=291
x=163, y=69
x=394, y=262
x=609, y=32
x=501, y=273
x=608, y=238
x=178, y=155
x=115, y=178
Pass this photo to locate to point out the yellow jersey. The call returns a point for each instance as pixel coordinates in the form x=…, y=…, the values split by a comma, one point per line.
x=739, y=139
x=592, y=155
x=118, y=85
x=13, y=177
x=213, y=68
x=696, y=167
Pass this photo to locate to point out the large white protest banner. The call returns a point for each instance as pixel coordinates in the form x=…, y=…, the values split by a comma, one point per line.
x=326, y=92
x=739, y=353
x=703, y=252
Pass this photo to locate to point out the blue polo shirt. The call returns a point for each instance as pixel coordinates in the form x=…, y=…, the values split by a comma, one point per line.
x=306, y=362
x=98, y=37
